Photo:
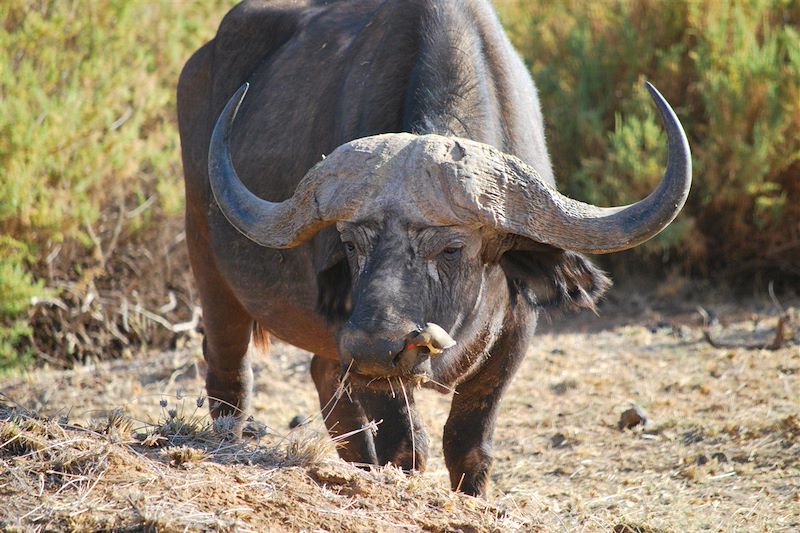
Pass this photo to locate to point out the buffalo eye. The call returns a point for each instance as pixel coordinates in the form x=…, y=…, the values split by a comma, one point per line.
x=452, y=252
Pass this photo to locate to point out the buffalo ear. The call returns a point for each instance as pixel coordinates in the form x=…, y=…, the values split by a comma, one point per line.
x=333, y=296
x=333, y=277
x=552, y=279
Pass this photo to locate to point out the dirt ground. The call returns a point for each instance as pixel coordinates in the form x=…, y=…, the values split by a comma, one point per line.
x=720, y=450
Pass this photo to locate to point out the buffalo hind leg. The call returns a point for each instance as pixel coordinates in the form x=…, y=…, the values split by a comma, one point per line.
x=342, y=413
x=401, y=438
x=467, y=438
x=227, y=330
x=229, y=377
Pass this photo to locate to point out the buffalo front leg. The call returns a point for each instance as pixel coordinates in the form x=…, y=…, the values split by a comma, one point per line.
x=469, y=430
x=401, y=438
x=343, y=414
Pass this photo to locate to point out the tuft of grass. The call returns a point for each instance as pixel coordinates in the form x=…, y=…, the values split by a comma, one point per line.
x=117, y=426
x=306, y=448
x=22, y=437
x=182, y=455
x=65, y=461
x=178, y=427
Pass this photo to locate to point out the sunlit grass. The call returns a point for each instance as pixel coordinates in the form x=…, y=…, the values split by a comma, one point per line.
x=88, y=119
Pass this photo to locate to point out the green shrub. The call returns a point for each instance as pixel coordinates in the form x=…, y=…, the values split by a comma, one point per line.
x=18, y=288
x=87, y=122
x=731, y=69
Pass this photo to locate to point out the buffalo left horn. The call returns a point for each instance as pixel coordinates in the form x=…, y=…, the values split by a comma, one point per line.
x=503, y=192
x=271, y=224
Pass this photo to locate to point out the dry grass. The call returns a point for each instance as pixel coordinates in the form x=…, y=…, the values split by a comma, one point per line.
x=128, y=444
x=65, y=476
x=159, y=464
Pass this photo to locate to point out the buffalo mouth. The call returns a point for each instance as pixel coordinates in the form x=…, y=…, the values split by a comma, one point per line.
x=408, y=358
x=413, y=375
x=394, y=384
x=391, y=384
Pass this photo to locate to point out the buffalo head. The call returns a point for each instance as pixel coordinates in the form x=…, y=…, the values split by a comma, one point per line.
x=429, y=224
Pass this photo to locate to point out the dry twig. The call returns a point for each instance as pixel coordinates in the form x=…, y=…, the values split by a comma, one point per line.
x=778, y=339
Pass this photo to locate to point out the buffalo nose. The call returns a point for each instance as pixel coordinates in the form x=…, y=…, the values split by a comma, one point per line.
x=376, y=355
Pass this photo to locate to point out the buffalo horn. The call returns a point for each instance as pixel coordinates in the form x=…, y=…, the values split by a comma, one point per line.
x=489, y=188
x=545, y=215
x=271, y=224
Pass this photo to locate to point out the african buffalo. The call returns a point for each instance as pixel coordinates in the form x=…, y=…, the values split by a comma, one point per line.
x=383, y=191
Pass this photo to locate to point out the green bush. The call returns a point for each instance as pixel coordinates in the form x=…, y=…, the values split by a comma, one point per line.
x=18, y=288
x=87, y=122
x=730, y=68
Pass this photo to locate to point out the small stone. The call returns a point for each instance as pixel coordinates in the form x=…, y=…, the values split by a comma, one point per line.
x=701, y=459
x=254, y=429
x=297, y=421
x=631, y=418
x=563, y=387
x=558, y=440
x=719, y=457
